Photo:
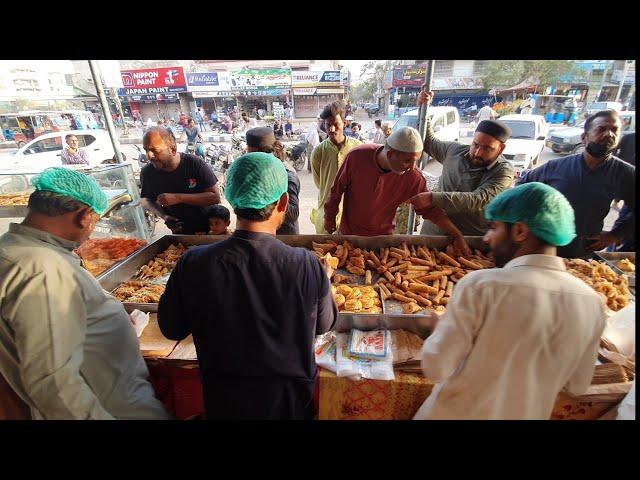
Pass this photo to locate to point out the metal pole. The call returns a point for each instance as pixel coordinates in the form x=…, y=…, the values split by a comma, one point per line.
x=95, y=69
x=422, y=129
x=604, y=75
x=118, y=104
x=624, y=76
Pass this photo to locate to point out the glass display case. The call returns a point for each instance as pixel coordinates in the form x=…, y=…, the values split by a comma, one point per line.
x=125, y=216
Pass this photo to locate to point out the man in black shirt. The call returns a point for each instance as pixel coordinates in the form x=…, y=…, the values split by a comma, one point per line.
x=252, y=304
x=262, y=139
x=175, y=186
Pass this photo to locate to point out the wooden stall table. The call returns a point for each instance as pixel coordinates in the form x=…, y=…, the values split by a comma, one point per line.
x=399, y=399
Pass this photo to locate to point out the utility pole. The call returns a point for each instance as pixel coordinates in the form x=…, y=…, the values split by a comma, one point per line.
x=422, y=129
x=624, y=77
x=95, y=74
x=604, y=75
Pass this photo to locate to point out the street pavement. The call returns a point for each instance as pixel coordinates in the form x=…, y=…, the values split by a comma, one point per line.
x=308, y=191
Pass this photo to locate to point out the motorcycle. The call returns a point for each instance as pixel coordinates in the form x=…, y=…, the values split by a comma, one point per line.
x=297, y=155
x=142, y=157
x=197, y=149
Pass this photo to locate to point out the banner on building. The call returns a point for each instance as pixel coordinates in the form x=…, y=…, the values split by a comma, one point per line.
x=324, y=78
x=158, y=97
x=329, y=91
x=217, y=94
x=209, y=82
x=154, y=80
x=254, y=79
x=304, y=91
x=414, y=77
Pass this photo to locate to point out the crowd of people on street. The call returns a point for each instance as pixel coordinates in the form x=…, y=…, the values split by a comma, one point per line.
x=254, y=304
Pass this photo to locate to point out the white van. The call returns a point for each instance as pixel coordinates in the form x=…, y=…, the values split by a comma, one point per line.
x=445, y=122
x=45, y=150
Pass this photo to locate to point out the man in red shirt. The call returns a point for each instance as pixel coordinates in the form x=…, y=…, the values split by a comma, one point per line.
x=375, y=180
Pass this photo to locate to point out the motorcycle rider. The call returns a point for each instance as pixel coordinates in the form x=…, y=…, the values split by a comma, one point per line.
x=192, y=132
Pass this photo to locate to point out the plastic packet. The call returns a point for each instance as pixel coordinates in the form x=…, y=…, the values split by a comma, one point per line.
x=325, y=351
x=355, y=367
x=140, y=320
x=369, y=344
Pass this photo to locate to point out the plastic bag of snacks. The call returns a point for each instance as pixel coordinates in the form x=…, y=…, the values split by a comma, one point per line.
x=325, y=351
x=357, y=367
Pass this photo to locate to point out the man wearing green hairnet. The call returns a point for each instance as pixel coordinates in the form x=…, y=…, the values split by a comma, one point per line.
x=67, y=348
x=514, y=337
x=252, y=304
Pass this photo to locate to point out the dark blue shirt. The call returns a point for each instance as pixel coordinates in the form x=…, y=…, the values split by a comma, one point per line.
x=590, y=193
x=254, y=306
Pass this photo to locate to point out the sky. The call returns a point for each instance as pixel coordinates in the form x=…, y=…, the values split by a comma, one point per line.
x=354, y=67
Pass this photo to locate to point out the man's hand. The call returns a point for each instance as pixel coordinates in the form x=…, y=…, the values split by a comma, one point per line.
x=327, y=268
x=329, y=227
x=421, y=201
x=168, y=199
x=602, y=240
x=461, y=247
x=425, y=97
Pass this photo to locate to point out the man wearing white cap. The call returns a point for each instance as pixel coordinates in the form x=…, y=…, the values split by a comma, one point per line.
x=375, y=180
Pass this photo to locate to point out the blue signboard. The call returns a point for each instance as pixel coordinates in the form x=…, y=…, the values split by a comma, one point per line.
x=331, y=76
x=204, y=79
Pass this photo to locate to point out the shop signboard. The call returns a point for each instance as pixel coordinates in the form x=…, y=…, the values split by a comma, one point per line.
x=219, y=93
x=158, y=97
x=323, y=78
x=153, y=80
x=254, y=79
x=329, y=91
x=414, y=77
x=208, y=81
x=304, y=91
x=408, y=77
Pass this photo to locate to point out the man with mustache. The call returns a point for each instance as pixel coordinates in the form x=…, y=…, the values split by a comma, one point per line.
x=472, y=175
x=590, y=181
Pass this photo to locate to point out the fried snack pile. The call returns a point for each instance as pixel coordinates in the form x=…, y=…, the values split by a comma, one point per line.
x=613, y=287
x=357, y=298
x=626, y=265
x=112, y=248
x=162, y=263
x=416, y=276
x=135, y=291
x=19, y=199
x=99, y=265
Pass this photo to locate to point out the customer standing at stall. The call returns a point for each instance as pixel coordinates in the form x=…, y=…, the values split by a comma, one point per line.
x=512, y=338
x=176, y=185
x=472, y=175
x=67, y=349
x=590, y=181
x=375, y=180
x=327, y=157
x=73, y=155
x=262, y=139
x=253, y=305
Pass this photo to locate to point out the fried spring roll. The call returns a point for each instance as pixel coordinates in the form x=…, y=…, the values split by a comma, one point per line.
x=470, y=264
x=419, y=261
x=401, y=298
x=367, y=277
x=446, y=258
x=417, y=287
x=421, y=300
x=449, y=290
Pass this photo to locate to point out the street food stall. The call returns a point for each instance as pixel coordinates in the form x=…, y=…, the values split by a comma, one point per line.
x=385, y=286
x=121, y=231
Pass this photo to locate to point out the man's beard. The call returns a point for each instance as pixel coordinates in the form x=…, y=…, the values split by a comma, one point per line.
x=506, y=252
x=601, y=149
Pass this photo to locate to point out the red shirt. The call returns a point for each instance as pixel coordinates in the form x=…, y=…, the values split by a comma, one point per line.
x=372, y=195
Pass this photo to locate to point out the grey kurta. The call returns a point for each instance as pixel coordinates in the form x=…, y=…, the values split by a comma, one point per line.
x=67, y=348
x=464, y=190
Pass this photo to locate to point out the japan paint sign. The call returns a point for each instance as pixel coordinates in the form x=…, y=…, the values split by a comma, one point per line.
x=154, y=80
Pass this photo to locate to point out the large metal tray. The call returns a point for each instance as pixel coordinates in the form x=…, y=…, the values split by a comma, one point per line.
x=611, y=258
x=125, y=270
x=15, y=211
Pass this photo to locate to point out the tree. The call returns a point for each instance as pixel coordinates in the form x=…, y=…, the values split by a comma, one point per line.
x=507, y=73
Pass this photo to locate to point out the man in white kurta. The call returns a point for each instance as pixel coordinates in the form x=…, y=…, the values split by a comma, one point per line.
x=514, y=337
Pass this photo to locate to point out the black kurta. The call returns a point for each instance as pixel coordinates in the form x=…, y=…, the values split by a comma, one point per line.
x=254, y=306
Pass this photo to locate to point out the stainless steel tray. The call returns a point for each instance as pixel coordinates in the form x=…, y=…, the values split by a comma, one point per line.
x=125, y=270
x=611, y=258
x=16, y=211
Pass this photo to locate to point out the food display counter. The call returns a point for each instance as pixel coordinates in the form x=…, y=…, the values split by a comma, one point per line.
x=124, y=221
x=174, y=368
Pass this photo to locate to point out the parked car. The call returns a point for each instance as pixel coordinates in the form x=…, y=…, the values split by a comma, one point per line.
x=46, y=150
x=597, y=106
x=371, y=109
x=444, y=120
x=528, y=134
x=569, y=140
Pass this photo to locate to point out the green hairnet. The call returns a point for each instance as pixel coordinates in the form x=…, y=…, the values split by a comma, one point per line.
x=72, y=184
x=255, y=180
x=546, y=212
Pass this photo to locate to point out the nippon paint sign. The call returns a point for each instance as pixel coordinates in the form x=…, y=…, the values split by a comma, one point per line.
x=154, y=80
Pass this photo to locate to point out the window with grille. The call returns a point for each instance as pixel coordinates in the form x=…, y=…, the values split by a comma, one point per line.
x=443, y=68
x=480, y=67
